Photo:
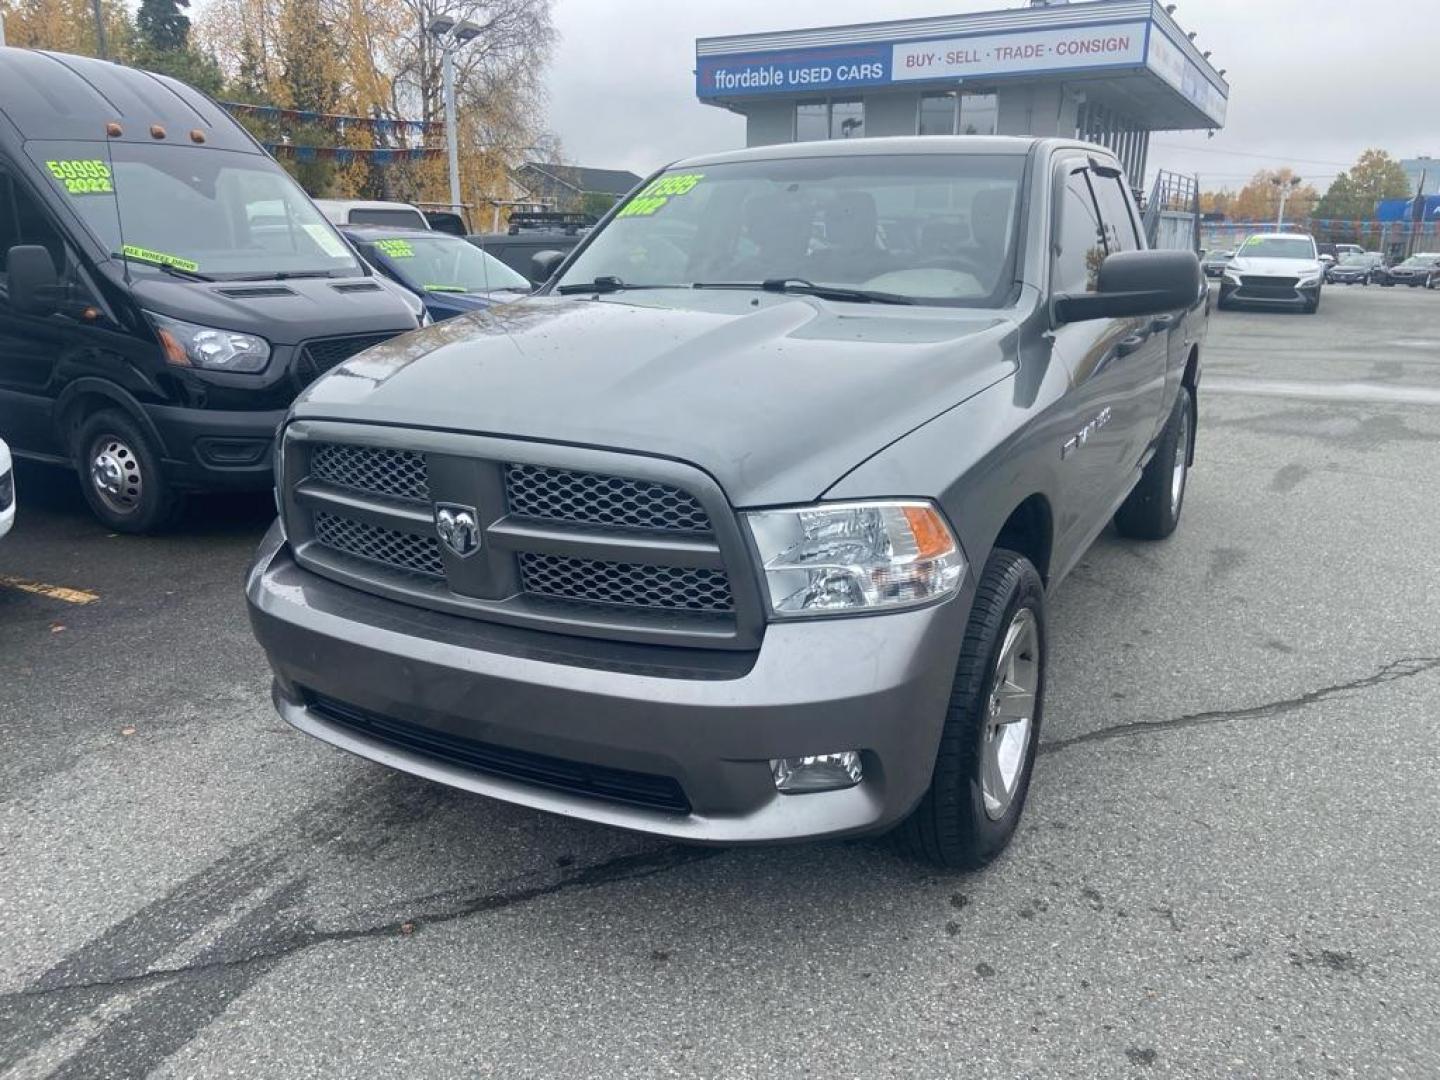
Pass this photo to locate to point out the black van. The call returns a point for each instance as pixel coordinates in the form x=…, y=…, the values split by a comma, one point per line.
x=166, y=289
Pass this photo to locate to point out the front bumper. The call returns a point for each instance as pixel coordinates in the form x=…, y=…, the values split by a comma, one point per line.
x=217, y=450
x=1298, y=296
x=878, y=684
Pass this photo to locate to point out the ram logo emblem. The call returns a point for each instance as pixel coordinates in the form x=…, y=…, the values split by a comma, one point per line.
x=458, y=527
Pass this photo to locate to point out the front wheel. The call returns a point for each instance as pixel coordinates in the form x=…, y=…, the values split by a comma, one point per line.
x=992, y=724
x=1153, y=509
x=120, y=474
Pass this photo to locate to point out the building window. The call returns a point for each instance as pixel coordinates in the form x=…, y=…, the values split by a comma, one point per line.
x=937, y=114
x=979, y=114
x=812, y=121
x=841, y=118
x=847, y=119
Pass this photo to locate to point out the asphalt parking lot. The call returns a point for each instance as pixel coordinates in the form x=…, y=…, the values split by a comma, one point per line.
x=1228, y=865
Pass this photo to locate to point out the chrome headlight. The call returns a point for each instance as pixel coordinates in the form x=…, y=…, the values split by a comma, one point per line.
x=207, y=347
x=839, y=558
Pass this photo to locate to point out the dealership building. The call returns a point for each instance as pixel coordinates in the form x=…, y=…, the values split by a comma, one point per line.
x=1109, y=71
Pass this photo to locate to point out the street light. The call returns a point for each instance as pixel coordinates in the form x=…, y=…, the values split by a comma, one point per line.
x=1285, y=187
x=452, y=35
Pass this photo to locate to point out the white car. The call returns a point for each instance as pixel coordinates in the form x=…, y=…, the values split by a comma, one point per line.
x=7, y=490
x=1274, y=268
x=394, y=215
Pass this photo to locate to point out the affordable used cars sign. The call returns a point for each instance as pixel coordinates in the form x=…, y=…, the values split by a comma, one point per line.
x=792, y=71
x=845, y=67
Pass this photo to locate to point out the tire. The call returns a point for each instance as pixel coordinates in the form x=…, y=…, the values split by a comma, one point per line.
x=1153, y=509
x=982, y=769
x=1225, y=303
x=120, y=474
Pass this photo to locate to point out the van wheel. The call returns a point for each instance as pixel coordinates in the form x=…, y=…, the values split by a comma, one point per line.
x=1153, y=509
x=992, y=725
x=120, y=474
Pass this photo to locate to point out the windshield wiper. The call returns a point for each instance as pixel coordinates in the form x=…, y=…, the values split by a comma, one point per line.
x=799, y=286
x=173, y=271
x=285, y=275
x=608, y=283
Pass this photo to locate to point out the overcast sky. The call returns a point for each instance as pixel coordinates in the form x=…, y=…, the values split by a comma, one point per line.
x=1308, y=78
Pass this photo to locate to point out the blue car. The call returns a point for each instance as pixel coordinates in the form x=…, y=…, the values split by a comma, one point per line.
x=451, y=275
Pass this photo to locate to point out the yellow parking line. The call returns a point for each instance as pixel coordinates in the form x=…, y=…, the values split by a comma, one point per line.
x=54, y=592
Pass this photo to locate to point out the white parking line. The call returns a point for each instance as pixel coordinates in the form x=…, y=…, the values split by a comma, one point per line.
x=1323, y=391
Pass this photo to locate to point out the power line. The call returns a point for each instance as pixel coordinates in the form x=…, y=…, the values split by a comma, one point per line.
x=1251, y=154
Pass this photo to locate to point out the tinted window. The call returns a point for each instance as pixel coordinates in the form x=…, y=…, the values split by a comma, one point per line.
x=1115, y=215
x=396, y=218
x=1081, y=243
x=812, y=121
x=937, y=114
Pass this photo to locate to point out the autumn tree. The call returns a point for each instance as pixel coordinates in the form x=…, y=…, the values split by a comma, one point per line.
x=1259, y=200
x=69, y=26
x=1354, y=194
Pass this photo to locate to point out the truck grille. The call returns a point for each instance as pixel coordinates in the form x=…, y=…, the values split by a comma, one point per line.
x=374, y=543
x=675, y=588
x=317, y=357
x=400, y=474
x=587, y=551
x=592, y=499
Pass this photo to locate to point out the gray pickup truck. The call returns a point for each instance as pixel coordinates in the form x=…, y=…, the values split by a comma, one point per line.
x=741, y=530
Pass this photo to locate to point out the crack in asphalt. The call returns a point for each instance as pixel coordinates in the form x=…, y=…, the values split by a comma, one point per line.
x=625, y=868
x=1405, y=668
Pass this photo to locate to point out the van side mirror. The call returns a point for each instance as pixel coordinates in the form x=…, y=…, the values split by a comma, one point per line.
x=1135, y=283
x=35, y=287
x=543, y=264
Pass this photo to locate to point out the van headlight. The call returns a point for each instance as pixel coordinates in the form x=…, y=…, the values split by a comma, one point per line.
x=206, y=347
x=839, y=558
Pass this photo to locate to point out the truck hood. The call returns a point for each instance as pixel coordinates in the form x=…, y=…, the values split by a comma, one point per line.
x=1276, y=267
x=282, y=312
x=776, y=397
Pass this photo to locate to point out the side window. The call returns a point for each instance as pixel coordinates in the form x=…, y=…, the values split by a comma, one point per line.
x=34, y=225
x=1080, y=245
x=1119, y=223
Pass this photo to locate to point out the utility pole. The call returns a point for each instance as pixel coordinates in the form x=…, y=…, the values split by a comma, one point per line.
x=102, y=50
x=1285, y=188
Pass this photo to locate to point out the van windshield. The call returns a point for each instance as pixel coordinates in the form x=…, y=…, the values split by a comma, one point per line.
x=928, y=228
x=221, y=213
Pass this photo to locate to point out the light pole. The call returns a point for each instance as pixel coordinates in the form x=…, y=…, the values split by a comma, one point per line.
x=1286, y=187
x=451, y=35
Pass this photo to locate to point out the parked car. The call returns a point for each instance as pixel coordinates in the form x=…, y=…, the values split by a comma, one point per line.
x=396, y=215
x=1214, y=262
x=518, y=250
x=1417, y=270
x=7, y=490
x=451, y=276
x=169, y=288
x=1355, y=268
x=757, y=555
x=1274, y=269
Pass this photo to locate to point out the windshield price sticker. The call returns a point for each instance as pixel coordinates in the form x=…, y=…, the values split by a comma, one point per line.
x=396, y=249
x=654, y=195
x=160, y=258
x=82, y=177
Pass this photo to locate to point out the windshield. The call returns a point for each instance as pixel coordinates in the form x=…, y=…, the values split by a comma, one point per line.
x=442, y=263
x=1355, y=260
x=937, y=229
x=1278, y=247
x=219, y=213
x=1421, y=260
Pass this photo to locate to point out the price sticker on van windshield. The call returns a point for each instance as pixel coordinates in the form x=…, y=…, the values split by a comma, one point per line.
x=396, y=249
x=656, y=195
x=82, y=177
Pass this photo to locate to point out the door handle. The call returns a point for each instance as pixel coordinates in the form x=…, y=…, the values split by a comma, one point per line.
x=1126, y=346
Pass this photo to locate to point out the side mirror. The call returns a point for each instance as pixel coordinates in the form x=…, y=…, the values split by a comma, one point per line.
x=1135, y=283
x=543, y=264
x=35, y=287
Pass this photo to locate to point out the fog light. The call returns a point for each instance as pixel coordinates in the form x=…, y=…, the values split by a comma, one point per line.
x=818, y=772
